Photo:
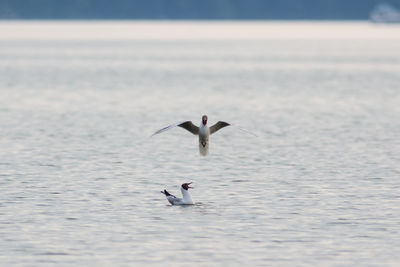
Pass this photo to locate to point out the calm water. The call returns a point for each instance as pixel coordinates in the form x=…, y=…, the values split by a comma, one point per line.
x=80, y=177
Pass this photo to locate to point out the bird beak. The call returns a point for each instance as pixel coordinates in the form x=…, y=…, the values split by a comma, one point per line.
x=189, y=185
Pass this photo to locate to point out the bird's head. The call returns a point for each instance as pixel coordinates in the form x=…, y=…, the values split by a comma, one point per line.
x=204, y=119
x=186, y=186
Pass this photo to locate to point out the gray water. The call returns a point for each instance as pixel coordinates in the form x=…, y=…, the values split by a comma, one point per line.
x=80, y=178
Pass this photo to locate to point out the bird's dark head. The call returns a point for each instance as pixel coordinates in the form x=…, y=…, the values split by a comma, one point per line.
x=186, y=186
x=204, y=119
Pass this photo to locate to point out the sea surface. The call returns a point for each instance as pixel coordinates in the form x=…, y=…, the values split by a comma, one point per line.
x=80, y=176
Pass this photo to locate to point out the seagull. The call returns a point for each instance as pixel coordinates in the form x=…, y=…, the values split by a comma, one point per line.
x=186, y=198
x=203, y=131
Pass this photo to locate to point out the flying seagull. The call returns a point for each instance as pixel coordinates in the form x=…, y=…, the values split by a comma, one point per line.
x=203, y=131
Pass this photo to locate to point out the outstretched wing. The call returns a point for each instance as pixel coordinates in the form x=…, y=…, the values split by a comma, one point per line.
x=217, y=126
x=246, y=131
x=222, y=124
x=188, y=125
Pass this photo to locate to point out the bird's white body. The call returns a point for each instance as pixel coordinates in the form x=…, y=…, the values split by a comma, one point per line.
x=204, y=136
x=186, y=197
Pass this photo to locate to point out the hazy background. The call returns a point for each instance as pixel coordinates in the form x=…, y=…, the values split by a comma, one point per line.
x=83, y=84
x=190, y=9
x=80, y=180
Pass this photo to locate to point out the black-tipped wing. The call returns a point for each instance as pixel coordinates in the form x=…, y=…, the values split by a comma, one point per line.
x=222, y=124
x=217, y=126
x=166, y=193
x=246, y=131
x=188, y=125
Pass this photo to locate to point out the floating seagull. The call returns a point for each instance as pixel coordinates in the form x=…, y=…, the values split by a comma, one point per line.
x=203, y=131
x=186, y=198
